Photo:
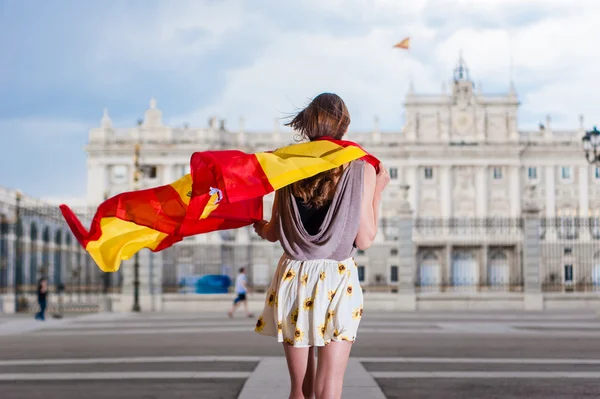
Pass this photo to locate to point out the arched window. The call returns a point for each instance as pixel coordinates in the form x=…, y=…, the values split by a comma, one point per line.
x=33, y=251
x=58, y=258
x=596, y=270
x=45, y=252
x=429, y=270
x=464, y=269
x=498, y=270
x=4, y=227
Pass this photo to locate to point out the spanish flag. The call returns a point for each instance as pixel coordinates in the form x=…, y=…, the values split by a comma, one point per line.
x=224, y=190
x=404, y=44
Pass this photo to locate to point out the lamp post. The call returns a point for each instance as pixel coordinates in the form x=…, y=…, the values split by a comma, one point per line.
x=136, y=262
x=18, y=232
x=591, y=146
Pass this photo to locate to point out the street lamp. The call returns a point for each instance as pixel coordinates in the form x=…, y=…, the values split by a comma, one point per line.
x=18, y=256
x=591, y=146
x=136, y=263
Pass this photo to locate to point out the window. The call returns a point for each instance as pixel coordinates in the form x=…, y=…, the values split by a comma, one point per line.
x=394, y=274
x=568, y=251
x=568, y=274
x=394, y=252
x=428, y=173
x=360, y=252
x=532, y=173
x=497, y=171
x=393, y=173
x=149, y=171
x=597, y=173
x=361, y=273
x=566, y=173
x=119, y=174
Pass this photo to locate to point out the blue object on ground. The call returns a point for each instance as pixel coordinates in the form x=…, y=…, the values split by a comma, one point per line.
x=213, y=284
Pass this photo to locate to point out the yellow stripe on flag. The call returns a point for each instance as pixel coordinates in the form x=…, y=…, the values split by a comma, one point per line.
x=299, y=161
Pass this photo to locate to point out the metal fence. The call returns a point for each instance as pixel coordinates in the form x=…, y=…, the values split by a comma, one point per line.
x=35, y=242
x=570, y=254
x=468, y=255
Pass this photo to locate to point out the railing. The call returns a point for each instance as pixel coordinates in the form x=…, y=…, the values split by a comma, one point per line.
x=35, y=242
x=570, y=254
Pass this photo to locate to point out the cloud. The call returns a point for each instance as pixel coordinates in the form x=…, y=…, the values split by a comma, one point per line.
x=262, y=60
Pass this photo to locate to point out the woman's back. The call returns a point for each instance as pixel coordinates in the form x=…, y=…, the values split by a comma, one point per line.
x=334, y=237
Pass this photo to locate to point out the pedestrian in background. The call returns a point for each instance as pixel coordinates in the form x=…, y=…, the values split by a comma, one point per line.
x=241, y=289
x=42, y=291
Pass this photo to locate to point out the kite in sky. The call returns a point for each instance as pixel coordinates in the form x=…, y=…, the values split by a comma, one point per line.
x=404, y=44
x=224, y=190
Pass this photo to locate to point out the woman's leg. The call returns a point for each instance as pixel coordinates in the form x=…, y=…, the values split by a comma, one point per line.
x=301, y=365
x=331, y=368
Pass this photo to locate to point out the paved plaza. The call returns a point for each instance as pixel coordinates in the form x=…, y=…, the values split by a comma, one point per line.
x=397, y=355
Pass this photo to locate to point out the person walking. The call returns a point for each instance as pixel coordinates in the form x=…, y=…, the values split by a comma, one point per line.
x=42, y=292
x=241, y=289
x=315, y=298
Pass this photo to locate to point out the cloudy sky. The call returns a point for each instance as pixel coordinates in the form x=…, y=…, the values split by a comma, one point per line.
x=63, y=61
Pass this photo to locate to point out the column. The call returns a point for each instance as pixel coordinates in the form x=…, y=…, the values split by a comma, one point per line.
x=515, y=191
x=532, y=277
x=407, y=299
x=412, y=181
x=169, y=174
x=445, y=191
x=482, y=192
x=584, y=203
x=550, y=191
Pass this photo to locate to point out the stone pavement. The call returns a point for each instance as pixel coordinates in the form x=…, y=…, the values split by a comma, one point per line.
x=397, y=355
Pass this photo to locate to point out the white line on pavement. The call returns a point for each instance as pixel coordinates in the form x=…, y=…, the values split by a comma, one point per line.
x=363, y=330
x=487, y=374
x=130, y=360
x=123, y=375
x=199, y=359
x=450, y=360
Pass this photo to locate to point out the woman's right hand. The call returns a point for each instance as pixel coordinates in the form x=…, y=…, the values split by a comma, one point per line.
x=382, y=179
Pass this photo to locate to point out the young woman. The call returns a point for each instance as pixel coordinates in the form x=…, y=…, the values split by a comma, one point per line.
x=315, y=298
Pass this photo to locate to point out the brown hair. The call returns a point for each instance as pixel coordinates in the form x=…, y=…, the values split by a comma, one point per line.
x=325, y=116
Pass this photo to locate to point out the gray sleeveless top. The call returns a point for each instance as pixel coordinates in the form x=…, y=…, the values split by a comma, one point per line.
x=335, y=238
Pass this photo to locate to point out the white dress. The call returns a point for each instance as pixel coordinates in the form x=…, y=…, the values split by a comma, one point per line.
x=311, y=303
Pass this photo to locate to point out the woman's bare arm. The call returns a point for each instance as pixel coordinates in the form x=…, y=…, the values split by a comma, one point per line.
x=268, y=230
x=374, y=183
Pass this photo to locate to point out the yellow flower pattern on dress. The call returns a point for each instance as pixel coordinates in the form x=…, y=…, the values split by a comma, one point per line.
x=298, y=335
x=330, y=315
x=304, y=279
x=260, y=324
x=289, y=275
x=357, y=314
x=330, y=295
x=308, y=303
x=312, y=303
x=272, y=298
x=294, y=317
x=322, y=330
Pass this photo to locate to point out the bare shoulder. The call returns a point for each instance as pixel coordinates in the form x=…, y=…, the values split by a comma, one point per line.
x=370, y=173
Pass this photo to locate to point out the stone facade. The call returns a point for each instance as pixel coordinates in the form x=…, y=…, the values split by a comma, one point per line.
x=461, y=152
